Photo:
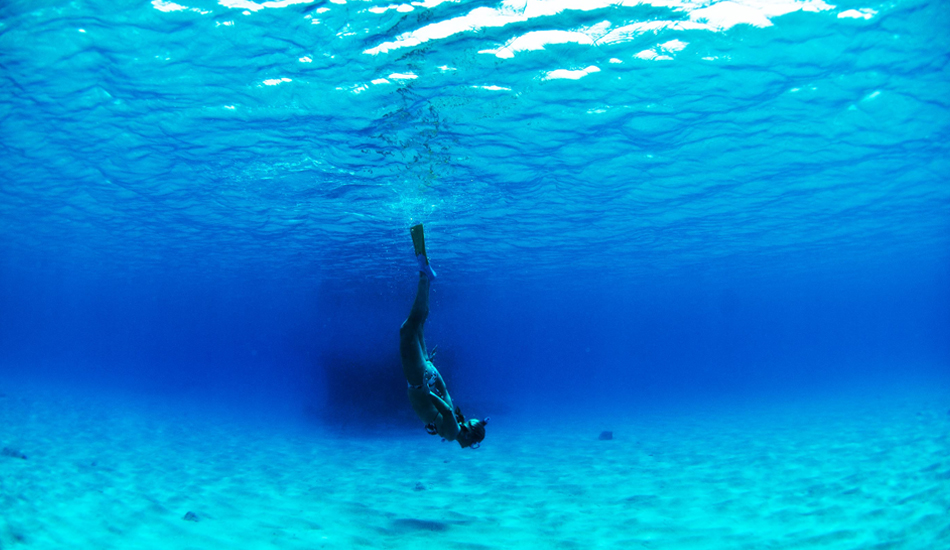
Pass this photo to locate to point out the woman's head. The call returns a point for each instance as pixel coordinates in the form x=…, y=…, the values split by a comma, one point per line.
x=472, y=433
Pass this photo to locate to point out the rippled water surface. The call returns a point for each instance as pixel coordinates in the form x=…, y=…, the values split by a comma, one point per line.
x=716, y=232
x=618, y=138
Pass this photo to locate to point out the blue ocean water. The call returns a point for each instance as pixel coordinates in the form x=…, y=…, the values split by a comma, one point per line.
x=665, y=201
x=693, y=261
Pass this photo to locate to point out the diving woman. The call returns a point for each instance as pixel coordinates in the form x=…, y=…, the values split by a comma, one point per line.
x=427, y=392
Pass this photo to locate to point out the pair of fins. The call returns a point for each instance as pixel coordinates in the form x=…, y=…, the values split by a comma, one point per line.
x=419, y=244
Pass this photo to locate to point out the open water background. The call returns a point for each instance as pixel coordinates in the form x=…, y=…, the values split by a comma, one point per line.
x=722, y=200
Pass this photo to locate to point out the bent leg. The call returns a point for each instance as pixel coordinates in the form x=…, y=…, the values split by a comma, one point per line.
x=412, y=345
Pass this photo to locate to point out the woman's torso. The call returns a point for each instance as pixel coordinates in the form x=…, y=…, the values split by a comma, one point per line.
x=422, y=403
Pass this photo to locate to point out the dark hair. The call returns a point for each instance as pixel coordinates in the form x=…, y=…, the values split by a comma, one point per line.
x=477, y=428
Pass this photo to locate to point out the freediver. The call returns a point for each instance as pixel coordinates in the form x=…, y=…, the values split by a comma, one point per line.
x=427, y=392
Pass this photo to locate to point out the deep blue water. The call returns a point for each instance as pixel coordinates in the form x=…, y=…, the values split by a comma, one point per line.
x=626, y=203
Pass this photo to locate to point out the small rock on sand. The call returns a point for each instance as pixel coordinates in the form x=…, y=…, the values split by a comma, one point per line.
x=191, y=516
x=13, y=453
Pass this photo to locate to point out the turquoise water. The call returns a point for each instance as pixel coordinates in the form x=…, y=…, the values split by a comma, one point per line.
x=144, y=137
x=719, y=230
x=675, y=197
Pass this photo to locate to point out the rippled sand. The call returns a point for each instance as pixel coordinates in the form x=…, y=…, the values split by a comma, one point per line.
x=863, y=474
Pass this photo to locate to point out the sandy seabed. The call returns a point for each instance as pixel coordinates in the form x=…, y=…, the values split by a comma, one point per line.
x=868, y=473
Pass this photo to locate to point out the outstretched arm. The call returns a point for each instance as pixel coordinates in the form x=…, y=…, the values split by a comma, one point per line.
x=449, y=428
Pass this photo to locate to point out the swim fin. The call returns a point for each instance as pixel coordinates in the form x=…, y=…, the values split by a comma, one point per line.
x=418, y=239
x=419, y=244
